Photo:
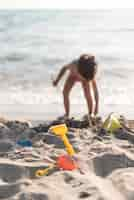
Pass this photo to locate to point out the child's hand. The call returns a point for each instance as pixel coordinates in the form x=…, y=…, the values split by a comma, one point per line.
x=54, y=83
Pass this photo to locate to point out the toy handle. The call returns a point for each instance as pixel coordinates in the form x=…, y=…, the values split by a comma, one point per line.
x=68, y=146
x=43, y=172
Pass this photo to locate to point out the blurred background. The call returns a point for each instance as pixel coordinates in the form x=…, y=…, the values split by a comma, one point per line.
x=35, y=44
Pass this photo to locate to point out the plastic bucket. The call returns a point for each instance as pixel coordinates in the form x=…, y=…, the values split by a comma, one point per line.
x=112, y=123
x=65, y=162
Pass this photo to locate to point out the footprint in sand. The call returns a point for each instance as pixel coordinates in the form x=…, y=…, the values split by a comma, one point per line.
x=106, y=163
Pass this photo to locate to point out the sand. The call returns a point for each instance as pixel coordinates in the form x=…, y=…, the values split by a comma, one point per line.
x=106, y=163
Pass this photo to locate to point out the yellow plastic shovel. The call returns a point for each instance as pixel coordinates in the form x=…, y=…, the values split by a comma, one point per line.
x=61, y=131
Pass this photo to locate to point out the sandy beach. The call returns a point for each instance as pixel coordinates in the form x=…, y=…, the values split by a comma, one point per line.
x=35, y=45
x=106, y=164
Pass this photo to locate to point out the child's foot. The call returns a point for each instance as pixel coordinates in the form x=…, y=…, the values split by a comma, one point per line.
x=88, y=118
x=64, y=118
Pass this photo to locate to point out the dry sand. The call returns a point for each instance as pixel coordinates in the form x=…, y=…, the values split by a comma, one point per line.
x=107, y=163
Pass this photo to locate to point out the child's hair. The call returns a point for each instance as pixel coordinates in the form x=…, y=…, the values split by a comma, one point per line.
x=87, y=66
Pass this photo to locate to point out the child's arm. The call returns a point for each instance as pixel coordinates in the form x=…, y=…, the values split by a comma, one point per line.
x=96, y=95
x=61, y=73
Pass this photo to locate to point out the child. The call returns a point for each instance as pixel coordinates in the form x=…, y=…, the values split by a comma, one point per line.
x=83, y=70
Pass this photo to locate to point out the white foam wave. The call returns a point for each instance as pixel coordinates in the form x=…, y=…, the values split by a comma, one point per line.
x=49, y=96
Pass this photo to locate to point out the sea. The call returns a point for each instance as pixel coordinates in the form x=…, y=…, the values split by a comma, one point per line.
x=35, y=44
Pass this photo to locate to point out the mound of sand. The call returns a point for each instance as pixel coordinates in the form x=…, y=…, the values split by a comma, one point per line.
x=106, y=163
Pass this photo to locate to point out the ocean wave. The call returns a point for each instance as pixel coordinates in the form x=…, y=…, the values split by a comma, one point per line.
x=113, y=74
x=14, y=57
x=49, y=95
x=107, y=58
x=109, y=30
x=35, y=44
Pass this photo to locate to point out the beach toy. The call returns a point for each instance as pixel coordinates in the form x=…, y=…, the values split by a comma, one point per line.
x=112, y=123
x=44, y=172
x=65, y=162
x=61, y=131
x=24, y=143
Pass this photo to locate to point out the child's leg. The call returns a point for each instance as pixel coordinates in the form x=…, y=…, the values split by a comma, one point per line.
x=66, y=91
x=87, y=94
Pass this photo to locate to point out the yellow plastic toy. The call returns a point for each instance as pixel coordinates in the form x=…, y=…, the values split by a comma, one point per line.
x=112, y=123
x=43, y=172
x=61, y=131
